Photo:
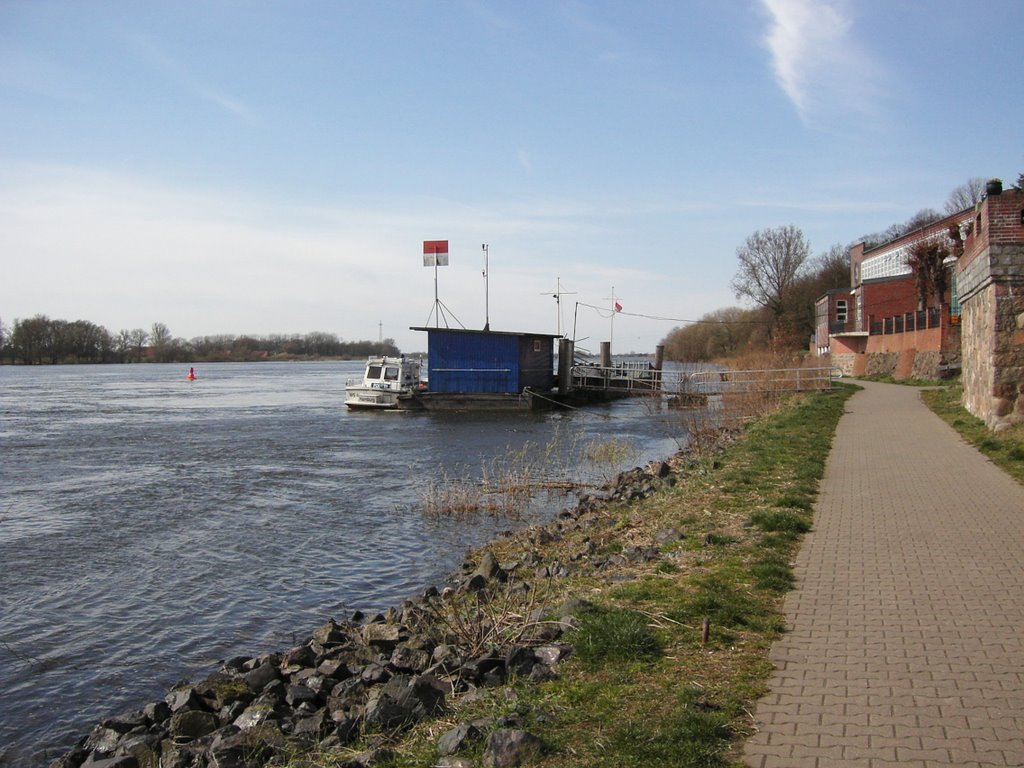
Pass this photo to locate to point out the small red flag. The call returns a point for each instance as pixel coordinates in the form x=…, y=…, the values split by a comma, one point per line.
x=618, y=307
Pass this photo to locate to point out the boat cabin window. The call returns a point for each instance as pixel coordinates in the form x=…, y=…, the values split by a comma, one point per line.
x=373, y=371
x=391, y=373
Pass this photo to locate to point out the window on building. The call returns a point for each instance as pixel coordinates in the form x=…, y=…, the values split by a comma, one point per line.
x=841, y=310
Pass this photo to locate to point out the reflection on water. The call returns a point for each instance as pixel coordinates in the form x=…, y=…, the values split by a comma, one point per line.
x=150, y=526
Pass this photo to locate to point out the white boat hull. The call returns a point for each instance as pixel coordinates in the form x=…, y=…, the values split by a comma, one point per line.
x=366, y=397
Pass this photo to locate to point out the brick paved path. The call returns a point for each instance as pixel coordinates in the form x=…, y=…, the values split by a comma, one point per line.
x=907, y=625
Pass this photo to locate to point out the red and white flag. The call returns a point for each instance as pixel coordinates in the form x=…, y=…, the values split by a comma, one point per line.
x=435, y=253
x=618, y=307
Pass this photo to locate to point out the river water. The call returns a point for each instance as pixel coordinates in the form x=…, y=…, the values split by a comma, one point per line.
x=151, y=526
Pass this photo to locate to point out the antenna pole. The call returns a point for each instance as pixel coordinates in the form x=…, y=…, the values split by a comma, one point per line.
x=487, y=288
x=558, y=294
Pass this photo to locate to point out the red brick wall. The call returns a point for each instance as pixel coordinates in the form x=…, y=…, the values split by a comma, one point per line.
x=886, y=298
x=929, y=339
x=997, y=222
x=1004, y=217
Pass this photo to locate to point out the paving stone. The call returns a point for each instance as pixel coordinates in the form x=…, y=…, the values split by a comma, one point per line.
x=903, y=648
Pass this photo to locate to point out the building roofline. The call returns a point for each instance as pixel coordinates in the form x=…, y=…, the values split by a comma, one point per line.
x=428, y=329
x=966, y=213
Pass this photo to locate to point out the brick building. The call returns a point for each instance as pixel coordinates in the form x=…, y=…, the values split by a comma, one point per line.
x=990, y=274
x=877, y=325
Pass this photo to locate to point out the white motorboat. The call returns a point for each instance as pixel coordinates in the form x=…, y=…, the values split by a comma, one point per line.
x=388, y=382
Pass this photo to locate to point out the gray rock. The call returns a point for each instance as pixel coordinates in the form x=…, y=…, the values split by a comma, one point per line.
x=103, y=740
x=374, y=673
x=507, y=748
x=552, y=654
x=261, y=676
x=313, y=727
x=145, y=748
x=193, y=724
x=476, y=669
x=520, y=661
x=300, y=656
x=184, y=698
x=334, y=668
x=475, y=583
x=342, y=730
x=347, y=694
x=330, y=633
x=157, y=712
x=254, y=716
x=238, y=750
x=541, y=673
x=382, y=636
x=458, y=738
x=490, y=569
x=403, y=701
x=175, y=756
x=299, y=694
x=410, y=659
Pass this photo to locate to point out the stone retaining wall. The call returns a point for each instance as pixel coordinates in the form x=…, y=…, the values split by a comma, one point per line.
x=990, y=278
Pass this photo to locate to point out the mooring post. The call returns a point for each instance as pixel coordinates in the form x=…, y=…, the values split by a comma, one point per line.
x=659, y=361
x=566, y=353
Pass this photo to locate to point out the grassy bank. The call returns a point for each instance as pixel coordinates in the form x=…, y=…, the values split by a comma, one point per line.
x=1005, y=449
x=677, y=600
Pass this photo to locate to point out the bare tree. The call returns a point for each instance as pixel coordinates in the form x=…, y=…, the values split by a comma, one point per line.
x=966, y=195
x=771, y=262
x=139, y=337
x=832, y=268
x=160, y=338
x=927, y=259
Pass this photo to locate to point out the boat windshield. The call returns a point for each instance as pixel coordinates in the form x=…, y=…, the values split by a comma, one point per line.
x=391, y=373
x=373, y=371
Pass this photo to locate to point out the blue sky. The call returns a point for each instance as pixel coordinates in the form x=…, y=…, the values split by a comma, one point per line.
x=273, y=167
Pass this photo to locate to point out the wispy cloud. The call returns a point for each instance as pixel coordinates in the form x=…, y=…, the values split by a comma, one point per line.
x=818, y=61
x=183, y=78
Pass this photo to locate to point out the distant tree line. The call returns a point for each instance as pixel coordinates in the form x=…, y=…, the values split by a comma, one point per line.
x=42, y=341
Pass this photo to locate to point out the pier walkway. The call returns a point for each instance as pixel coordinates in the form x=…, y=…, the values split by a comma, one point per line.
x=906, y=641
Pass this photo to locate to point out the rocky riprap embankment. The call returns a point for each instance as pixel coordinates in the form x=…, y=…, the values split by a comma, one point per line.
x=372, y=677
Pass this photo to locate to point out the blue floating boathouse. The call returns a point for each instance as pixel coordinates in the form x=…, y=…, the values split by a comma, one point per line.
x=464, y=362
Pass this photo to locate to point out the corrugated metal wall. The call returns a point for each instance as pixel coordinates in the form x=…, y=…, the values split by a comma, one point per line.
x=473, y=362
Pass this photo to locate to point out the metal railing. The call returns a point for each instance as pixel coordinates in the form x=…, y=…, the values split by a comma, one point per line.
x=622, y=377
x=705, y=383
x=905, y=323
x=760, y=380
